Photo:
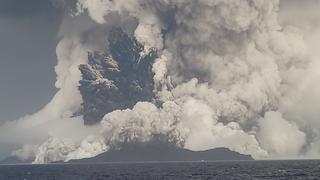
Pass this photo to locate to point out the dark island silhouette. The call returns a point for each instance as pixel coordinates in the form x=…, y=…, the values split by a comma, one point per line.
x=162, y=152
x=154, y=151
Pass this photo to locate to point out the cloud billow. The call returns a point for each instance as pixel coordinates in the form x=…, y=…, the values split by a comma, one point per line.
x=224, y=76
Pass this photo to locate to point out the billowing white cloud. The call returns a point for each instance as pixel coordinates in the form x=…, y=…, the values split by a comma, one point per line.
x=279, y=137
x=228, y=74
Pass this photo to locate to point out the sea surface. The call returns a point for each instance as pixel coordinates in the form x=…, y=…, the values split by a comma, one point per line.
x=306, y=169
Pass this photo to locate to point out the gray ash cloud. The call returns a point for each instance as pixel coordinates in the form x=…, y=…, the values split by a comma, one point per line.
x=117, y=78
x=229, y=74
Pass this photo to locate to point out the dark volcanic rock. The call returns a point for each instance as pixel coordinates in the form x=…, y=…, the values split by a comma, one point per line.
x=158, y=151
x=116, y=79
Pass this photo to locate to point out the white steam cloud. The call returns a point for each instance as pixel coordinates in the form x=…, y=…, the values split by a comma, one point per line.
x=230, y=74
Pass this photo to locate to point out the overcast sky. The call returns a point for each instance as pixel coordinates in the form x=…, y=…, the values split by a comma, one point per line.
x=28, y=31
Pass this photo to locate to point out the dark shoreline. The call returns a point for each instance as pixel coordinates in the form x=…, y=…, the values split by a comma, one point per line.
x=162, y=162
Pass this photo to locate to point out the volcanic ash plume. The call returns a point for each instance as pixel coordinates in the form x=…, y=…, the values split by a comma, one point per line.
x=203, y=74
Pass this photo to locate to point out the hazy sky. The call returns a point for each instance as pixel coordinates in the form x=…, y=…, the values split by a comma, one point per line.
x=27, y=56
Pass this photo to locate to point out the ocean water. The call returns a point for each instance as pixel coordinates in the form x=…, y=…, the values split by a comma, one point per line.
x=234, y=170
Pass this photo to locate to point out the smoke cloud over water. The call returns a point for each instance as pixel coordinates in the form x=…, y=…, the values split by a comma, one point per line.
x=230, y=74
